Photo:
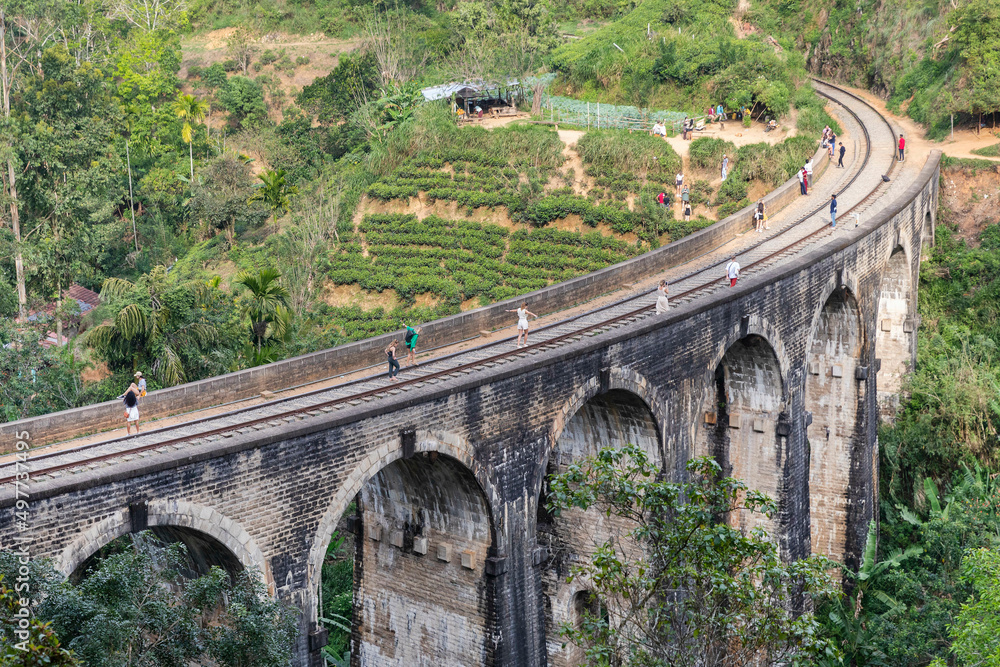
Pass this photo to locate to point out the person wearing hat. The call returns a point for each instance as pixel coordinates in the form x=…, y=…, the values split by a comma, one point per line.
x=141, y=383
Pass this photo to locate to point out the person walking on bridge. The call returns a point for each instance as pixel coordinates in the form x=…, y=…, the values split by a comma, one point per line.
x=902, y=145
x=661, y=297
x=833, y=211
x=131, y=400
x=410, y=340
x=522, y=323
x=733, y=271
x=390, y=353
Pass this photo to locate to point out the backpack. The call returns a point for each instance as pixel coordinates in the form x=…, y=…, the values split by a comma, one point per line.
x=410, y=333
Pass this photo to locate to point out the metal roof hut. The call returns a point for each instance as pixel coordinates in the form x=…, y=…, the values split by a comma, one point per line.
x=467, y=95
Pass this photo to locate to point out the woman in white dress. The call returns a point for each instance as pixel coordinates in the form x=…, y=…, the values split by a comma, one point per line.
x=522, y=323
x=661, y=297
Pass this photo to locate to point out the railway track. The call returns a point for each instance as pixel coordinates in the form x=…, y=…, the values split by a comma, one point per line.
x=693, y=280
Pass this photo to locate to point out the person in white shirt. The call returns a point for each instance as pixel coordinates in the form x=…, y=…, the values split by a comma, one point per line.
x=661, y=298
x=679, y=182
x=809, y=169
x=522, y=322
x=733, y=271
x=659, y=129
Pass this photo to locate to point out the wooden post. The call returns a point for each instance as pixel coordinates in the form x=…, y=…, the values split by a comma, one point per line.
x=588, y=115
x=598, y=115
x=953, y=127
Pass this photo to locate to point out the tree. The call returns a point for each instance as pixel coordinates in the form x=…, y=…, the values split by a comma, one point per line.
x=39, y=646
x=244, y=99
x=976, y=632
x=851, y=625
x=220, y=195
x=145, y=603
x=71, y=186
x=191, y=110
x=274, y=192
x=976, y=26
x=391, y=38
x=265, y=304
x=151, y=15
x=176, y=329
x=682, y=586
x=240, y=47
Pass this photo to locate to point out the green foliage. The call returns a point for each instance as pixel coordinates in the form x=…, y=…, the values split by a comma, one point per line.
x=338, y=594
x=136, y=606
x=243, y=98
x=976, y=633
x=812, y=113
x=737, y=600
x=265, y=304
x=707, y=152
x=175, y=331
x=988, y=151
x=648, y=157
x=32, y=646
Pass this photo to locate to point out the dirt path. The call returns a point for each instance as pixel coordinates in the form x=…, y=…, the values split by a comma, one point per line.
x=918, y=146
x=574, y=161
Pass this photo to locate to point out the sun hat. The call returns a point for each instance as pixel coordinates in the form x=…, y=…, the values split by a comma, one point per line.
x=138, y=374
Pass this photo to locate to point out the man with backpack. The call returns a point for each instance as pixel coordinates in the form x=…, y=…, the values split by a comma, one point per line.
x=410, y=340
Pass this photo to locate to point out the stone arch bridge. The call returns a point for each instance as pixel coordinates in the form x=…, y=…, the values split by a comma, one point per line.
x=457, y=564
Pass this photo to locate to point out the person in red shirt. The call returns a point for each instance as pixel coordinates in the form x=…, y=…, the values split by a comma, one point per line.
x=902, y=145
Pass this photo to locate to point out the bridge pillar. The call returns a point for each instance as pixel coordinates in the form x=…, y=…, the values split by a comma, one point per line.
x=834, y=397
x=895, y=329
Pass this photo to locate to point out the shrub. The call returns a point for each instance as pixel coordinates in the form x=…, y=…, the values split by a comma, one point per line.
x=268, y=57
x=244, y=99
x=301, y=60
x=707, y=152
x=194, y=71
x=616, y=151
x=229, y=65
x=214, y=76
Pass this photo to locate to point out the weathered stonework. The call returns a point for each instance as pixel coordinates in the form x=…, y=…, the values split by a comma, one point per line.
x=274, y=497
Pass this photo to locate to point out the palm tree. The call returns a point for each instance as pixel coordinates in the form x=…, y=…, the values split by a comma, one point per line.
x=144, y=328
x=191, y=110
x=266, y=305
x=275, y=192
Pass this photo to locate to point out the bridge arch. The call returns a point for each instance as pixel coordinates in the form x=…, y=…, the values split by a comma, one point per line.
x=399, y=506
x=834, y=395
x=746, y=398
x=624, y=379
x=622, y=411
x=896, y=325
x=176, y=519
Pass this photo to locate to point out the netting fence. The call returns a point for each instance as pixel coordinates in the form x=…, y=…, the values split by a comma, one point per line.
x=597, y=115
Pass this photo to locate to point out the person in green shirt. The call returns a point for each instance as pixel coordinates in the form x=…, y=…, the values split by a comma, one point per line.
x=410, y=340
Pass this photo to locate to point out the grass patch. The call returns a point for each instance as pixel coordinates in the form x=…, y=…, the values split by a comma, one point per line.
x=987, y=151
x=707, y=152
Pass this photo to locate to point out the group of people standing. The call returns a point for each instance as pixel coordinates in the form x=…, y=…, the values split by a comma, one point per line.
x=829, y=141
